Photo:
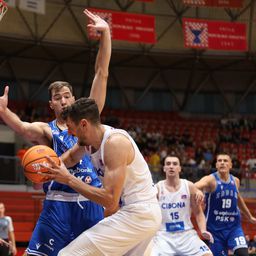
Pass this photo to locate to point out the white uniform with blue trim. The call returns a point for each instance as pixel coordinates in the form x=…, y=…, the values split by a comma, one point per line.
x=177, y=236
x=130, y=229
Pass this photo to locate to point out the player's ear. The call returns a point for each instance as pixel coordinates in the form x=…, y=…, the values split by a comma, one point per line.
x=83, y=123
x=50, y=104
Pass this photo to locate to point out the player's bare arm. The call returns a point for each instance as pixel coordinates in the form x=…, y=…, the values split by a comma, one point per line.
x=206, y=184
x=198, y=213
x=158, y=190
x=99, y=85
x=37, y=132
x=114, y=177
x=242, y=205
x=73, y=155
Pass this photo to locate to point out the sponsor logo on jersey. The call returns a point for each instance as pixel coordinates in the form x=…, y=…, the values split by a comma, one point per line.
x=225, y=216
x=38, y=245
x=183, y=196
x=175, y=226
x=88, y=179
x=78, y=170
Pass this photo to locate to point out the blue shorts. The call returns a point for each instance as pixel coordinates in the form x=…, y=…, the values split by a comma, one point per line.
x=225, y=240
x=60, y=223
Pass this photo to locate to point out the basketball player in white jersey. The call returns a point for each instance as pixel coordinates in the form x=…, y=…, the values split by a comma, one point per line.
x=177, y=197
x=127, y=193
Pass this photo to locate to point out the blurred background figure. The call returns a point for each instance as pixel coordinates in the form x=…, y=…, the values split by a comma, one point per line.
x=6, y=233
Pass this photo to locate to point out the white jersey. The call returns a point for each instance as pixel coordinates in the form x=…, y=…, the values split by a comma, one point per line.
x=138, y=186
x=175, y=207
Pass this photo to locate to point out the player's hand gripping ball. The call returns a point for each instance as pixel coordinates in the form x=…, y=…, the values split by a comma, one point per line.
x=34, y=158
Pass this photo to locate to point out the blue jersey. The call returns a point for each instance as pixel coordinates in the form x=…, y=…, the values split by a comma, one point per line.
x=84, y=170
x=221, y=211
x=66, y=213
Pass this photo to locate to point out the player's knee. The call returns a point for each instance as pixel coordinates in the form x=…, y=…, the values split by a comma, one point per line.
x=241, y=252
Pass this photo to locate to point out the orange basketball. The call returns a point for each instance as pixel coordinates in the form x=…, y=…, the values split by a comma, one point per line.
x=35, y=156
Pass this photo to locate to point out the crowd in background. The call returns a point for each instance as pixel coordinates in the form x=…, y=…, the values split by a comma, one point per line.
x=195, y=142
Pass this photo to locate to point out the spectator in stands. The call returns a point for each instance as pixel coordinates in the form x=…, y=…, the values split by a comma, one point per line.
x=6, y=233
x=155, y=165
x=251, y=163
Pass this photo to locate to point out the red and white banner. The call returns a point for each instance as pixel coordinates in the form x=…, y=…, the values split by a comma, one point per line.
x=216, y=35
x=216, y=3
x=127, y=26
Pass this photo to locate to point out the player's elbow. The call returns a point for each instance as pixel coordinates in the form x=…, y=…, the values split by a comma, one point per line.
x=110, y=203
x=102, y=73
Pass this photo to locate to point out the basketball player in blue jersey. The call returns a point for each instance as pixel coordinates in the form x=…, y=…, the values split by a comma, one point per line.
x=177, y=199
x=65, y=212
x=223, y=205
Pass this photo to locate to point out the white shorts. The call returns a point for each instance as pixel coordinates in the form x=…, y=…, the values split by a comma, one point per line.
x=185, y=243
x=127, y=232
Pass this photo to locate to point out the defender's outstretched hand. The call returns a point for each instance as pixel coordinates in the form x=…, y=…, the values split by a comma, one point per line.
x=4, y=99
x=98, y=23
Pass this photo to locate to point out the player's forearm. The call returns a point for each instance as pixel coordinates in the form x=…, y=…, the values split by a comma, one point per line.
x=243, y=208
x=104, y=53
x=73, y=156
x=99, y=85
x=201, y=222
x=109, y=212
x=98, y=195
x=12, y=239
x=12, y=120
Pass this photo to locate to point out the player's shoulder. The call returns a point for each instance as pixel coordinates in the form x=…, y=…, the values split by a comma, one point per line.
x=118, y=138
x=8, y=218
x=208, y=178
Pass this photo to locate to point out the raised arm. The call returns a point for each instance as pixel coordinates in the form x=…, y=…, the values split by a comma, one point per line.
x=34, y=132
x=99, y=85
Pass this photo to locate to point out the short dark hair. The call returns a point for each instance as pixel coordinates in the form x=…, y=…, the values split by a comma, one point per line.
x=222, y=153
x=84, y=108
x=172, y=155
x=57, y=85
